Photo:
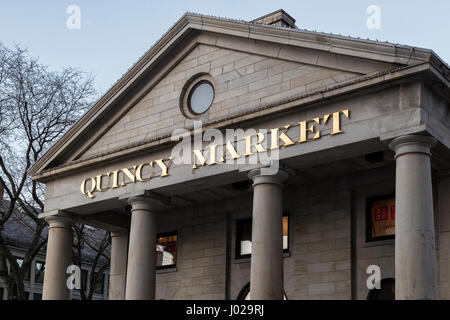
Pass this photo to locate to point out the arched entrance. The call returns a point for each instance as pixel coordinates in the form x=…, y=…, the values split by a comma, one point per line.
x=387, y=291
x=244, y=294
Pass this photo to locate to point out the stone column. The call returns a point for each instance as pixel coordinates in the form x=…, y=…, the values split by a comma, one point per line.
x=141, y=269
x=266, y=270
x=415, y=257
x=59, y=257
x=118, y=268
x=443, y=187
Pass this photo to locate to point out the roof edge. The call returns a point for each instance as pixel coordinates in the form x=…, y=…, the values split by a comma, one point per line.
x=192, y=21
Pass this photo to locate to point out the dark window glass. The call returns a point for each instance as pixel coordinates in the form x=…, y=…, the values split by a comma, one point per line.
x=84, y=277
x=99, y=284
x=26, y=276
x=386, y=292
x=1, y=293
x=77, y=242
x=201, y=97
x=244, y=294
x=39, y=271
x=166, y=250
x=380, y=218
x=244, y=236
x=37, y=296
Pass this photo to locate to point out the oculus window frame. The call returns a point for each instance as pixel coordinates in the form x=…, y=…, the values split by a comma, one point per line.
x=200, y=107
x=188, y=91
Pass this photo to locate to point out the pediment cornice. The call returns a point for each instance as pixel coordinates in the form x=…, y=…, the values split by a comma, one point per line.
x=191, y=25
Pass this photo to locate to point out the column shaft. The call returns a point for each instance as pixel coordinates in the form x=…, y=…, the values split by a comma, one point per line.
x=266, y=270
x=141, y=276
x=118, y=268
x=59, y=257
x=444, y=237
x=415, y=260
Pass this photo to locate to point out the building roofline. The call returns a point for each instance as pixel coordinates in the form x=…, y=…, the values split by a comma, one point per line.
x=385, y=51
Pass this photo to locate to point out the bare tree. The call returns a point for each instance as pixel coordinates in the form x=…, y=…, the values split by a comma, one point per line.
x=37, y=106
x=99, y=260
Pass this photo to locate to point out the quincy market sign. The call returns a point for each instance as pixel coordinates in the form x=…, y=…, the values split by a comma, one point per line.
x=308, y=131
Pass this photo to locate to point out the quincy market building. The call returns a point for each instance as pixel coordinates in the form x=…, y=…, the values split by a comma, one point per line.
x=351, y=139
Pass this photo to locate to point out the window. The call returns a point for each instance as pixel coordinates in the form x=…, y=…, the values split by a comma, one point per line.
x=197, y=95
x=76, y=241
x=39, y=270
x=286, y=233
x=386, y=292
x=244, y=236
x=166, y=250
x=99, y=284
x=201, y=97
x=26, y=276
x=37, y=296
x=84, y=278
x=1, y=293
x=380, y=218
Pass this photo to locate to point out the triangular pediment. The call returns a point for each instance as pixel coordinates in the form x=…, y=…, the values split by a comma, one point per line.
x=250, y=66
x=242, y=81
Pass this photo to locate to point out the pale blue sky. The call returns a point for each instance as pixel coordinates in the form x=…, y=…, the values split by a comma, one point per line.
x=114, y=35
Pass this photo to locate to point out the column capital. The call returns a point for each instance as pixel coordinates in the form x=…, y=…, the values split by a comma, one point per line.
x=144, y=203
x=62, y=220
x=260, y=176
x=412, y=144
x=119, y=233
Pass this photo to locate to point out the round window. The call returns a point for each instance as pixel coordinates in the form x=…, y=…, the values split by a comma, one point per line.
x=201, y=97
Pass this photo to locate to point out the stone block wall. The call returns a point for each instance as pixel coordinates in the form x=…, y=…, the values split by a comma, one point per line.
x=243, y=81
x=200, y=270
x=329, y=253
x=320, y=262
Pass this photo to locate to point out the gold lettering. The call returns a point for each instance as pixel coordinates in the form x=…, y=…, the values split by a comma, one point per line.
x=88, y=192
x=139, y=171
x=309, y=127
x=283, y=137
x=258, y=146
x=337, y=122
x=129, y=174
x=200, y=157
x=304, y=130
x=212, y=154
x=198, y=154
x=115, y=180
x=163, y=166
x=99, y=183
x=229, y=147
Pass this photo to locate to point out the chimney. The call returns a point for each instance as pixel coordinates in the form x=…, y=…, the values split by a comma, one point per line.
x=277, y=18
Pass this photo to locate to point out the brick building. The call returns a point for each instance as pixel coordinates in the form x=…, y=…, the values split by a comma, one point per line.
x=17, y=234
